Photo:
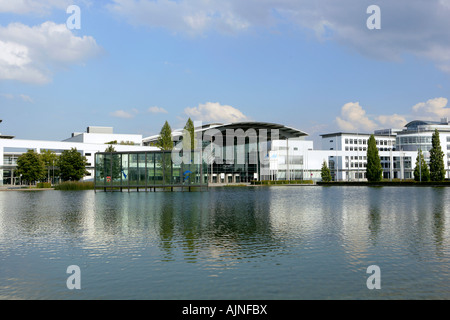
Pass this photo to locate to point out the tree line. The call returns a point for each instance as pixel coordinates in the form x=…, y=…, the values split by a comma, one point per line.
x=434, y=171
x=33, y=167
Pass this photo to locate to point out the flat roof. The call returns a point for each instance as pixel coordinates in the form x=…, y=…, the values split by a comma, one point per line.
x=355, y=134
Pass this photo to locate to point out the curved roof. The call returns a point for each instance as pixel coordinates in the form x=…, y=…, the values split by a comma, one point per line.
x=284, y=132
x=416, y=123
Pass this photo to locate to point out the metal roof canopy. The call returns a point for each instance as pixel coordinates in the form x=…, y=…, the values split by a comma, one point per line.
x=284, y=132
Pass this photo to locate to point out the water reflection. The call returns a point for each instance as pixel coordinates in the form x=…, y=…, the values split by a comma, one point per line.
x=288, y=238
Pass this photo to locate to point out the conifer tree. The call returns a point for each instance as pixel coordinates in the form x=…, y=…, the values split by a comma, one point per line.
x=437, y=170
x=165, y=141
x=374, y=170
x=325, y=172
x=421, y=172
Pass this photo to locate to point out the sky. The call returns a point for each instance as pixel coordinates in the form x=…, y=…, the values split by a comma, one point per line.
x=316, y=65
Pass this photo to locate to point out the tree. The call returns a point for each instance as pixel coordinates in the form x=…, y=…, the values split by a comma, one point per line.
x=421, y=172
x=49, y=158
x=31, y=167
x=325, y=173
x=111, y=165
x=437, y=170
x=72, y=165
x=165, y=141
x=189, y=130
x=374, y=170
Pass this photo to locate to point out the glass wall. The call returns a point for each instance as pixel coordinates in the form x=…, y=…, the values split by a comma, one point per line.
x=147, y=169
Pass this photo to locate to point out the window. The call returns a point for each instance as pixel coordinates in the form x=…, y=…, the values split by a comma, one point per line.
x=88, y=154
x=346, y=140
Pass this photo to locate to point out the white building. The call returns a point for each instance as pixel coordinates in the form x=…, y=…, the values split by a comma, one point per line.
x=289, y=156
x=87, y=143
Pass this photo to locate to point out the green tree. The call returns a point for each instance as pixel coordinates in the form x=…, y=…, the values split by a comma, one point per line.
x=31, y=167
x=72, y=165
x=374, y=170
x=421, y=172
x=437, y=170
x=325, y=172
x=165, y=141
x=50, y=159
x=189, y=130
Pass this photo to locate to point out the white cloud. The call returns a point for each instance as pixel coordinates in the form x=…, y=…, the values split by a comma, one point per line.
x=32, y=54
x=353, y=118
x=419, y=28
x=26, y=98
x=192, y=17
x=433, y=109
x=157, y=110
x=395, y=121
x=215, y=112
x=122, y=114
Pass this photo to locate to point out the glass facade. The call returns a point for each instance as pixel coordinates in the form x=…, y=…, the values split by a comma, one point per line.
x=147, y=170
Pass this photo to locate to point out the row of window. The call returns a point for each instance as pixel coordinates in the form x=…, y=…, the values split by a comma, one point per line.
x=362, y=149
x=364, y=142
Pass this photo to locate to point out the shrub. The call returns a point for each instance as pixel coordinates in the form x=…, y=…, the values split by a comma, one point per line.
x=43, y=185
x=72, y=185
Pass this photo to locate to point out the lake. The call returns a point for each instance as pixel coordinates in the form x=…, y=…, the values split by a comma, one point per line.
x=262, y=243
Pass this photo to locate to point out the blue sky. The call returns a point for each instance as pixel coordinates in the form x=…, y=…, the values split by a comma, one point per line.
x=312, y=65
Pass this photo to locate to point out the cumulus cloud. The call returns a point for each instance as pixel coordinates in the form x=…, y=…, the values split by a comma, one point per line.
x=433, y=109
x=419, y=28
x=156, y=110
x=392, y=121
x=353, y=117
x=32, y=54
x=215, y=112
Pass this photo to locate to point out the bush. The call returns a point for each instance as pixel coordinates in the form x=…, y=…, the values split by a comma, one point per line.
x=71, y=185
x=43, y=185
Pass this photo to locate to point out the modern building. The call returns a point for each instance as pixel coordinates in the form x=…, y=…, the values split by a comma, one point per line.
x=94, y=140
x=239, y=153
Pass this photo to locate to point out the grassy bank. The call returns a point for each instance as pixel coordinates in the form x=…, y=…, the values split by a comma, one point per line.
x=75, y=185
x=387, y=183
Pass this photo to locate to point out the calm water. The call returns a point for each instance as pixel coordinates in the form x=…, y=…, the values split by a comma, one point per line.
x=228, y=243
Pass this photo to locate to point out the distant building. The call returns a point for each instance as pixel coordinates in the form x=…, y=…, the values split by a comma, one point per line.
x=245, y=151
x=87, y=143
